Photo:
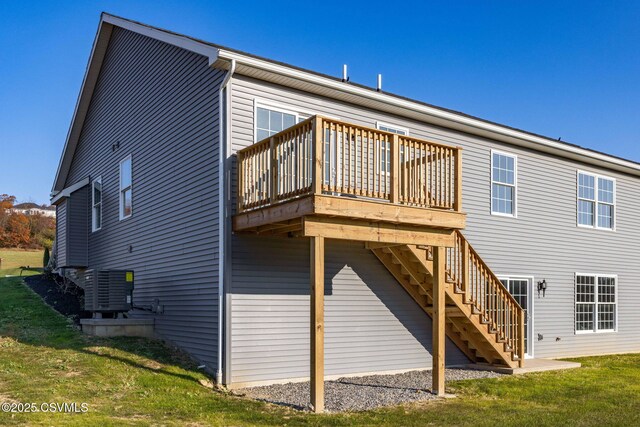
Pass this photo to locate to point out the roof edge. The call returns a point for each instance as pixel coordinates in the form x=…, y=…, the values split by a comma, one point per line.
x=220, y=57
x=440, y=116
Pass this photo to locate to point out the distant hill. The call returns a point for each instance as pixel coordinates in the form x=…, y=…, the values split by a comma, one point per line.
x=30, y=205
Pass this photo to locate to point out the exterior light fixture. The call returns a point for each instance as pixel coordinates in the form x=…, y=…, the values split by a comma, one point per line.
x=542, y=287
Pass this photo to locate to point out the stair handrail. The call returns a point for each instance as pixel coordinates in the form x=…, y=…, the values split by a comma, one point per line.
x=496, y=299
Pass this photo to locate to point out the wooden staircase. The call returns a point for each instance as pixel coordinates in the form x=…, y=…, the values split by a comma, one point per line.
x=482, y=318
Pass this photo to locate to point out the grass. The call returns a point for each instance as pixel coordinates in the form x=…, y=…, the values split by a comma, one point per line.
x=129, y=381
x=13, y=259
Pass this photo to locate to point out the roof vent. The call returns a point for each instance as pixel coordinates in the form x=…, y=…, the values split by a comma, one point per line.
x=345, y=77
x=379, y=87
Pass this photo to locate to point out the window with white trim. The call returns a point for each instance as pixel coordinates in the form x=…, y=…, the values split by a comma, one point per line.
x=96, y=204
x=503, y=183
x=126, y=196
x=596, y=201
x=596, y=303
x=385, y=152
x=270, y=121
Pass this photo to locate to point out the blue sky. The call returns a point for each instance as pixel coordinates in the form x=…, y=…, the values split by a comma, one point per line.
x=562, y=69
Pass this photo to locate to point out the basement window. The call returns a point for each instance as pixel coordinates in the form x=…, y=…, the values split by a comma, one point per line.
x=126, y=204
x=596, y=303
x=596, y=201
x=96, y=204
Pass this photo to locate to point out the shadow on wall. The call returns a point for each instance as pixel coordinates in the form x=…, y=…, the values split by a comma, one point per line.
x=359, y=290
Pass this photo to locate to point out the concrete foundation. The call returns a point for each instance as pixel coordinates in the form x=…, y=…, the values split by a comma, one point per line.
x=118, y=327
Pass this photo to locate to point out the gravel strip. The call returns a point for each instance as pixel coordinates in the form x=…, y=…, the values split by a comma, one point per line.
x=361, y=393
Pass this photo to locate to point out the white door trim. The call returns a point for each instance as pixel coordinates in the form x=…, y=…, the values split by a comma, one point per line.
x=531, y=310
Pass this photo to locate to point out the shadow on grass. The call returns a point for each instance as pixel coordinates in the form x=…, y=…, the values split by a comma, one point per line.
x=28, y=319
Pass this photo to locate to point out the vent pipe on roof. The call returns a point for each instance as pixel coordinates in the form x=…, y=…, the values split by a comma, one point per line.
x=345, y=77
x=379, y=87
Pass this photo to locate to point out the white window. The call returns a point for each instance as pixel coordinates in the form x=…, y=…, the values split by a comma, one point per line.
x=96, y=204
x=270, y=121
x=596, y=201
x=504, y=176
x=126, y=207
x=385, y=151
x=596, y=303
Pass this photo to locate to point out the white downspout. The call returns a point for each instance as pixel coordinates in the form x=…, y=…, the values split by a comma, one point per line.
x=224, y=132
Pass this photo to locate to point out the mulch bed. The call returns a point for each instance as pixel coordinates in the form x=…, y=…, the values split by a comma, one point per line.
x=67, y=302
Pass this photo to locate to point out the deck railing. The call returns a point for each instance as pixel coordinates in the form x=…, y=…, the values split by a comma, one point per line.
x=327, y=156
x=488, y=296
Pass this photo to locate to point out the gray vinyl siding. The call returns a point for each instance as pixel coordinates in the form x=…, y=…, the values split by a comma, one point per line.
x=160, y=103
x=72, y=229
x=78, y=227
x=61, y=233
x=543, y=241
x=371, y=324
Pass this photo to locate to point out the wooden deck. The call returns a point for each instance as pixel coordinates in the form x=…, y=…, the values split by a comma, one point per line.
x=325, y=179
x=331, y=179
x=352, y=219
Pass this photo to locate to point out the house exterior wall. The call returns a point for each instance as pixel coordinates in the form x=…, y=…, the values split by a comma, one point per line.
x=543, y=242
x=77, y=228
x=61, y=232
x=371, y=323
x=160, y=103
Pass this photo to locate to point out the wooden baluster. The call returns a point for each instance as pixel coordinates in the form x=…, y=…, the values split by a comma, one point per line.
x=395, y=169
x=317, y=177
x=521, y=337
x=365, y=164
x=360, y=136
x=370, y=164
x=450, y=179
x=376, y=166
x=343, y=187
x=458, y=180
x=333, y=144
x=465, y=271
x=298, y=139
x=439, y=180
x=348, y=157
x=405, y=171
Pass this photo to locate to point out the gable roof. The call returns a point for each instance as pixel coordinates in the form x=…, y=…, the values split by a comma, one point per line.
x=321, y=84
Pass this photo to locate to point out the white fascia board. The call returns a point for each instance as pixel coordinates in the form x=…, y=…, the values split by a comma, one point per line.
x=70, y=189
x=452, y=120
x=170, y=38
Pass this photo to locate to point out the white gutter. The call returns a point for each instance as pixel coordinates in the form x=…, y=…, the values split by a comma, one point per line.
x=225, y=136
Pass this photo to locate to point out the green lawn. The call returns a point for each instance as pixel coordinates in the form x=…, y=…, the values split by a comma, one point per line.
x=13, y=259
x=128, y=381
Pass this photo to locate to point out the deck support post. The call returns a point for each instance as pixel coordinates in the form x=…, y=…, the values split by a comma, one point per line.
x=438, y=320
x=317, y=323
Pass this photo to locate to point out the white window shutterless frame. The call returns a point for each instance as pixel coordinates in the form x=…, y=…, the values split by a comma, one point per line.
x=596, y=303
x=270, y=119
x=504, y=184
x=521, y=288
x=126, y=188
x=596, y=201
x=96, y=204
